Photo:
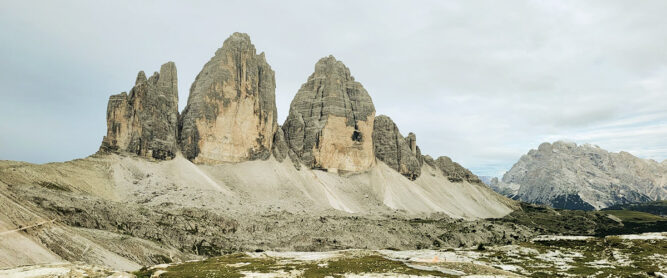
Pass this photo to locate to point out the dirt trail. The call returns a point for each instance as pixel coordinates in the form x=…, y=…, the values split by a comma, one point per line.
x=27, y=227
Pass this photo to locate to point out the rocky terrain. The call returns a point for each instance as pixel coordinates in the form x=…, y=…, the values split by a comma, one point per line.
x=122, y=212
x=224, y=177
x=641, y=255
x=623, y=256
x=567, y=175
x=222, y=190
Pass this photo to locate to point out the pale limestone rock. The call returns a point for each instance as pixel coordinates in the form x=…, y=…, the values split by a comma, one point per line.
x=571, y=176
x=231, y=112
x=330, y=124
x=145, y=121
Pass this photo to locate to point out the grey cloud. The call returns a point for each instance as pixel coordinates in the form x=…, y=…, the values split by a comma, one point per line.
x=480, y=81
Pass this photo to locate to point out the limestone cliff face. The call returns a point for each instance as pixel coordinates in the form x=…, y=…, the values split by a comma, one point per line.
x=397, y=152
x=330, y=123
x=231, y=111
x=145, y=121
x=567, y=175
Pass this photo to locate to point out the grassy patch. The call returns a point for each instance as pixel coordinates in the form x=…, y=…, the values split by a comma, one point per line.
x=223, y=266
x=234, y=265
x=634, y=216
x=365, y=264
x=596, y=257
x=616, y=257
x=545, y=220
x=655, y=207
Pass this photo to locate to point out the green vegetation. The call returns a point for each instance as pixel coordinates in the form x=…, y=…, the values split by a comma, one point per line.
x=545, y=220
x=365, y=264
x=594, y=257
x=597, y=257
x=235, y=264
x=634, y=216
x=213, y=267
x=655, y=207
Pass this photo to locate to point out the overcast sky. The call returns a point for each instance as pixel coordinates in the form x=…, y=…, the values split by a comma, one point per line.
x=480, y=81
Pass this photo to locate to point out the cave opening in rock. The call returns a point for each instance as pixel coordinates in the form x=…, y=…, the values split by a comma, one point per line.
x=356, y=136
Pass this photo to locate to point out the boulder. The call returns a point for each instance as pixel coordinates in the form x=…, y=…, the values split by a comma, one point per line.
x=231, y=111
x=330, y=123
x=145, y=121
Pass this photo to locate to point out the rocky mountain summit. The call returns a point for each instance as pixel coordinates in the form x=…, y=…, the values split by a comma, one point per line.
x=145, y=122
x=231, y=112
x=567, y=175
x=330, y=123
x=231, y=117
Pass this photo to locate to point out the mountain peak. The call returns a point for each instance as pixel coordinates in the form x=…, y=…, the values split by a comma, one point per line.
x=231, y=112
x=330, y=123
x=329, y=67
x=236, y=43
x=144, y=122
x=567, y=175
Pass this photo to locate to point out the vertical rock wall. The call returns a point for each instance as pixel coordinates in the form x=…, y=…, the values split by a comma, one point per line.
x=397, y=152
x=231, y=112
x=330, y=123
x=231, y=117
x=145, y=121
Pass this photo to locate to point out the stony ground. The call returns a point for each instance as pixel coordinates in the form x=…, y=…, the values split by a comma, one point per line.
x=54, y=216
x=642, y=255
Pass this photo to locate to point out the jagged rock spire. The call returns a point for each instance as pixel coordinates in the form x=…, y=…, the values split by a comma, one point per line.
x=397, y=152
x=145, y=121
x=231, y=111
x=330, y=123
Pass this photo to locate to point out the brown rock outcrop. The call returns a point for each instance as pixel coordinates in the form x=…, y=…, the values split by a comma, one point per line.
x=145, y=121
x=330, y=123
x=231, y=112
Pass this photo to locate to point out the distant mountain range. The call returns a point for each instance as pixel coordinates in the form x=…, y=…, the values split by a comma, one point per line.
x=571, y=176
